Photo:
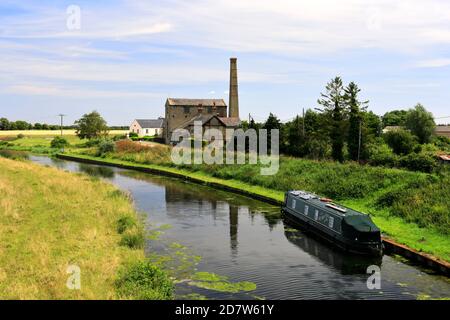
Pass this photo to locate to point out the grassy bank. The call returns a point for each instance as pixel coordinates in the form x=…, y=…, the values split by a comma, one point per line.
x=51, y=220
x=410, y=207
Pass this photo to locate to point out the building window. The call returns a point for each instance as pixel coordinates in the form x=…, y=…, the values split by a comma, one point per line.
x=293, y=203
x=146, y=130
x=209, y=109
x=186, y=109
x=316, y=214
x=306, y=210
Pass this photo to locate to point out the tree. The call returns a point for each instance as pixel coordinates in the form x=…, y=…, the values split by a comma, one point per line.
x=394, y=118
x=356, y=120
x=333, y=101
x=401, y=141
x=4, y=124
x=271, y=123
x=22, y=125
x=91, y=126
x=421, y=123
x=295, y=139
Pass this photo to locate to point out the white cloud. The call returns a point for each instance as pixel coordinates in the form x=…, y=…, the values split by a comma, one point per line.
x=61, y=91
x=434, y=63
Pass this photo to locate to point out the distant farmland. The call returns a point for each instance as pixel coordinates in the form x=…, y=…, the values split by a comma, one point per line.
x=49, y=132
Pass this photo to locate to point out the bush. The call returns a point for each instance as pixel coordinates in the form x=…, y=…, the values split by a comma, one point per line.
x=133, y=238
x=144, y=281
x=401, y=141
x=93, y=142
x=125, y=223
x=130, y=146
x=59, y=142
x=119, y=137
x=106, y=146
x=381, y=155
x=424, y=162
x=20, y=136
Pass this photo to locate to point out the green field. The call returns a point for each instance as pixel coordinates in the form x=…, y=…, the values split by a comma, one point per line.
x=48, y=133
x=51, y=219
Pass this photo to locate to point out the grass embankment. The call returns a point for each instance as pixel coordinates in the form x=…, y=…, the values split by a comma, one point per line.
x=51, y=219
x=412, y=208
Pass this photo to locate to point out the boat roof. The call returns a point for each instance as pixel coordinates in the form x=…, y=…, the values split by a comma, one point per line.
x=328, y=206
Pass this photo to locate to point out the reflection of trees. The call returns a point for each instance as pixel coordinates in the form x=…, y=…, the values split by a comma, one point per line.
x=186, y=201
x=234, y=211
x=96, y=171
x=344, y=262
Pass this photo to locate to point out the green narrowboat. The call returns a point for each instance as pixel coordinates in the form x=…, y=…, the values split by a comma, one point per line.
x=348, y=229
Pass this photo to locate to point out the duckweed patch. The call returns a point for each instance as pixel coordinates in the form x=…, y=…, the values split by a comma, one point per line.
x=212, y=281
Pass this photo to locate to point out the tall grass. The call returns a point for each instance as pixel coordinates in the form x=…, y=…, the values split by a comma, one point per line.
x=51, y=219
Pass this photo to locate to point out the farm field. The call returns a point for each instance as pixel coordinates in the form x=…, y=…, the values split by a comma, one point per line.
x=48, y=133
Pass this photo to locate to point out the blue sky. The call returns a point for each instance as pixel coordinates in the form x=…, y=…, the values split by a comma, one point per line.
x=129, y=56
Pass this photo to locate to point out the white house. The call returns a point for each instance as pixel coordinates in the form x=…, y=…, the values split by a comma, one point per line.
x=147, y=127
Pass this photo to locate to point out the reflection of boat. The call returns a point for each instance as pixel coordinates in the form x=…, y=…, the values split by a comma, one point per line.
x=344, y=262
x=348, y=229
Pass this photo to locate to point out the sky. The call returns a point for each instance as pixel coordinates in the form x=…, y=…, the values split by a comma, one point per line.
x=124, y=58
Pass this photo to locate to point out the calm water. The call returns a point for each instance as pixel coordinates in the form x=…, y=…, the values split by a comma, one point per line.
x=246, y=240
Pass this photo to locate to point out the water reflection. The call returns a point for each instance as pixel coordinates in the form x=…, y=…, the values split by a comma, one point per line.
x=334, y=257
x=234, y=210
x=96, y=171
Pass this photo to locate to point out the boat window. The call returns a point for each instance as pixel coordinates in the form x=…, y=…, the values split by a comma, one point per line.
x=331, y=222
x=316, y=214
x=306, y=210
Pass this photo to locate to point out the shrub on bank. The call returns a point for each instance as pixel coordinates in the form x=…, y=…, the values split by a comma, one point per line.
x=59, y=142
x=144, y=281
x=423, y=162
x=125, y=223
x=106, y=146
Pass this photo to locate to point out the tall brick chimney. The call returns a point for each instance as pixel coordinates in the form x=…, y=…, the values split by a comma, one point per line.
x=233, y=106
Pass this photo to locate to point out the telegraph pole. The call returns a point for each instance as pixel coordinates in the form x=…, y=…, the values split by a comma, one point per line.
x=62, y=117
x=303, y=122
x=359, y=139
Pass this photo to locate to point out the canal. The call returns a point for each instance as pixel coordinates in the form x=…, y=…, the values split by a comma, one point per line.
x=199, y=231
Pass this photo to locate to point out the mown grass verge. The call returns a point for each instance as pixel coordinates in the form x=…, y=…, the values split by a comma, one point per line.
x=353, y=185
x=51, y=220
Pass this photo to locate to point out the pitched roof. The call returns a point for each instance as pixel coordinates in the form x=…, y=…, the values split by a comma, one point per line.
x=203, y=118
x=230, y=121
x=196, y=102
x=151, y=123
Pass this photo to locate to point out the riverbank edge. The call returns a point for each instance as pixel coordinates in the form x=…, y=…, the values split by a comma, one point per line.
x=268, y=196
x=57, y=220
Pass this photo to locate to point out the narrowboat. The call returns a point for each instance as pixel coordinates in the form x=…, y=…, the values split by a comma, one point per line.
x=348, y=229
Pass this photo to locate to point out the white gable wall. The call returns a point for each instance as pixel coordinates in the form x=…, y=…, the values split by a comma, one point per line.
x=136, y=128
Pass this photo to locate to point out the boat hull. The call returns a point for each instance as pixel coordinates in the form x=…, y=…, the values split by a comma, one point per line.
x=370, y=249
